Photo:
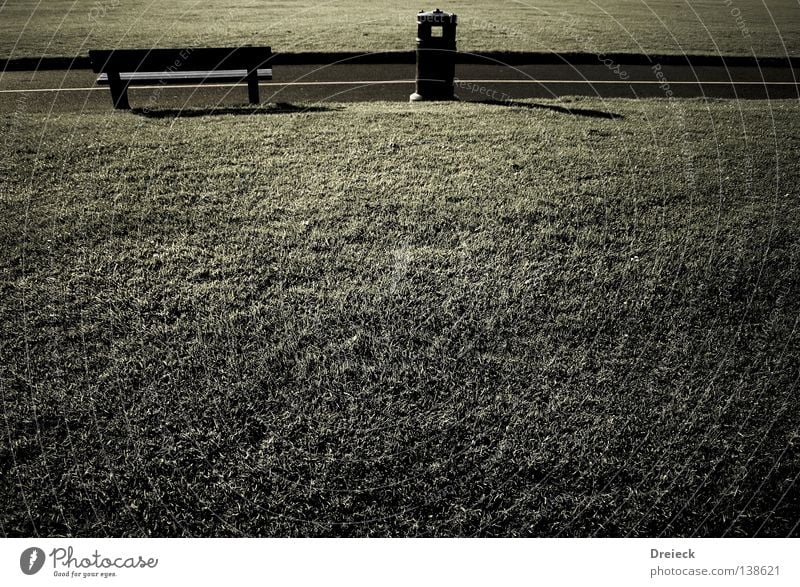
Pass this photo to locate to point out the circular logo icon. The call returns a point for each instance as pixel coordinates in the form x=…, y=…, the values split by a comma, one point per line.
x=31, y=560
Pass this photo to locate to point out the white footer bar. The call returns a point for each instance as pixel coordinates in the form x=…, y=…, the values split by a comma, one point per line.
x=400, y=562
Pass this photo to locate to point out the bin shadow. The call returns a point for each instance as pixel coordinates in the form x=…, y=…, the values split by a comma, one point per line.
x=265, y=109
x=555, y=108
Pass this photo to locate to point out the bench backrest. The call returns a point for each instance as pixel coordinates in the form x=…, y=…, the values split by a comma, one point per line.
x=189, y=59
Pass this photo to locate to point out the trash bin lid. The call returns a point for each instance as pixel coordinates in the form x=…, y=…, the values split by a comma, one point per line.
x=437, y=17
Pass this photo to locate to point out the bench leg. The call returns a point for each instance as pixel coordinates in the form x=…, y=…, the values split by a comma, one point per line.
x=119, y=91
x=252, y=87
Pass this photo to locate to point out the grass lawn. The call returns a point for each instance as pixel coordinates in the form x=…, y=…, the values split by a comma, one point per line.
x=381, y=319
x=71, y=27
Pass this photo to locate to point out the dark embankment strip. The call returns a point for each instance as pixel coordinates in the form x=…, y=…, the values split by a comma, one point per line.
x=405, y=57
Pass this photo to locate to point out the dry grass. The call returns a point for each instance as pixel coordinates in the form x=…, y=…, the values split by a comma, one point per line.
x=68, y=27
x=357, y=322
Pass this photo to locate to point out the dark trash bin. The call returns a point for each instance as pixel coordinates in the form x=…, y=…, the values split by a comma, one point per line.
x=436, y=56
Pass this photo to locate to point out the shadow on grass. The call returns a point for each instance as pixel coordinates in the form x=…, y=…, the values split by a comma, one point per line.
x=562, y=109
x=278, y=108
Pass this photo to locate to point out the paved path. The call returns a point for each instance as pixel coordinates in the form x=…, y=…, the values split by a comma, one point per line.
x=75, y=90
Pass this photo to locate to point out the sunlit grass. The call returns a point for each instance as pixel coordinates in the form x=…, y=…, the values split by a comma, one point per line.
x=391, y=320
x=68, y=27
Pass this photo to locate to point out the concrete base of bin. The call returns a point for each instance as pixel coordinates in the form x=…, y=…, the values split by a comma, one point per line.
x=417, y=97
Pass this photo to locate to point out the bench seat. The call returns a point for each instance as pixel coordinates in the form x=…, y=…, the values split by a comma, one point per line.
x=135, y=78
x=120, y=68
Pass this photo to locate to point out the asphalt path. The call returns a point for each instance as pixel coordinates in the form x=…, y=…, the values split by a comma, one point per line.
x=76, y=90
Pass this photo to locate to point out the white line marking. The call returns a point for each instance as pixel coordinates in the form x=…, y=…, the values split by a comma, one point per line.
x=411, y=81
x=628, y=82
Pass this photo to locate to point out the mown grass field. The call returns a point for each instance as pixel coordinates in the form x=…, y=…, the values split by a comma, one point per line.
x=381, y=320
x=71, y=27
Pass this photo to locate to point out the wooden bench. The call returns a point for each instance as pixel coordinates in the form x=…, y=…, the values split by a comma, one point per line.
x=121, y=68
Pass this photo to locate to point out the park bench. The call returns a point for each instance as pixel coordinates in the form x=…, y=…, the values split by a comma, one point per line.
x=121, y=68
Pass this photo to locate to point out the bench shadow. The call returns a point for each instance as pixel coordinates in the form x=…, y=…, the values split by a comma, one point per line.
x=273, y=108
x=555, y=108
